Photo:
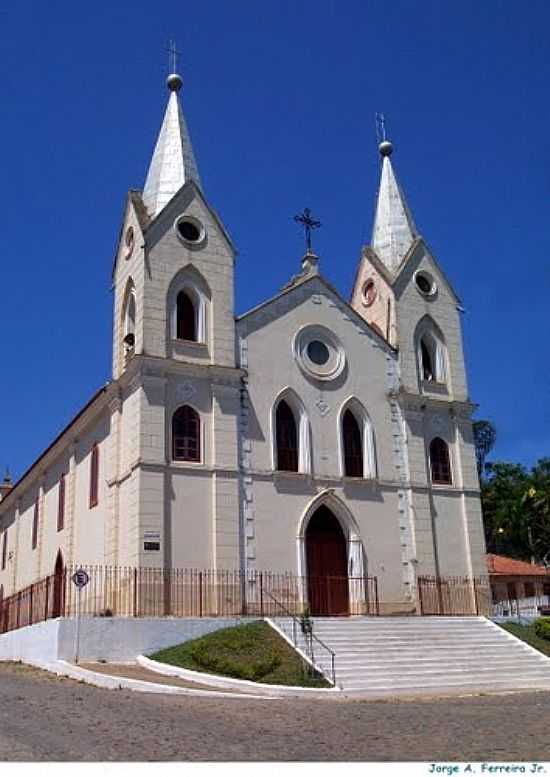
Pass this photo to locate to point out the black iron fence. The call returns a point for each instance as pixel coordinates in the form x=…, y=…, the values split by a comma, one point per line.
x=454, y=596
x=142, y=592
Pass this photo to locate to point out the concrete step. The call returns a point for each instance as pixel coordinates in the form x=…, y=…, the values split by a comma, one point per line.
x=378, y=655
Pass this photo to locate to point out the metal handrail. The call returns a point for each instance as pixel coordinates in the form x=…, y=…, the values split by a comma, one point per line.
x=311, y=637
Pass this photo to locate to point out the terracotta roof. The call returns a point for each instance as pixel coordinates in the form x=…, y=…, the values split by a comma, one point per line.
x=502, y=565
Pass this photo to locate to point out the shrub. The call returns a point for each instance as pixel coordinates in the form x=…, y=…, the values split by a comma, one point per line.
x=243, y=667
x=542, y=628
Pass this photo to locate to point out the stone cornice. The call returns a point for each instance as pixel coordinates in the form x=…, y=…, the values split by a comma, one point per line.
x=418, y=403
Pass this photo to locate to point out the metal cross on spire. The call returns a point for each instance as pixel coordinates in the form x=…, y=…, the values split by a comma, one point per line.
x=380, y=120
x=309, y=223
x=173, y=54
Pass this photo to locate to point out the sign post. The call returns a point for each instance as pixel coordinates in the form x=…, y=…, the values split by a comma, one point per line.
x=80, y=579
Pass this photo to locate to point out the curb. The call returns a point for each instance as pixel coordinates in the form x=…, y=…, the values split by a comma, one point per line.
x=217, y=681
x=112, y=682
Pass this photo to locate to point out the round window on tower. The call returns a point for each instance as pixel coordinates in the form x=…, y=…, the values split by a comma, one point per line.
x=318, y=352
x=425, y=283
x=369, y=293
x=190, y=230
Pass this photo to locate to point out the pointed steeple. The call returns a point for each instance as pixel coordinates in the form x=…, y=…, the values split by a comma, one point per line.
x=173, y=162
x=394, y=229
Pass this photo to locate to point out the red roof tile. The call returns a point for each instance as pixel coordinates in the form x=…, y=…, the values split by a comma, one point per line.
x=502, y=565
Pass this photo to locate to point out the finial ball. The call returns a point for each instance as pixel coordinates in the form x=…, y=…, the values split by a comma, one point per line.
x=174, y=82
x=385, y=148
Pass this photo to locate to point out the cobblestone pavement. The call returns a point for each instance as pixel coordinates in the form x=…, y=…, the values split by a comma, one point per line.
x=43, y=717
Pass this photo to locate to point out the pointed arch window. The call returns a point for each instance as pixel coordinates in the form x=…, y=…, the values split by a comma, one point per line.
x=440, y=462
x=186, y=317
x=94, y=476
x=186, y=429
x=4, y=548
x=353, y=446
x=287, y=438
x=35, y=521
x=431, y=357
x=61, y=504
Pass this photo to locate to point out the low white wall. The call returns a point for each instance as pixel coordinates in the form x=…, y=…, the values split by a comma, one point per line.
x=104, y=639
x=31, y=643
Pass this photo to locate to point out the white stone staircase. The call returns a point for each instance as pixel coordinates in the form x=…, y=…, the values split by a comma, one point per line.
x=424, y=655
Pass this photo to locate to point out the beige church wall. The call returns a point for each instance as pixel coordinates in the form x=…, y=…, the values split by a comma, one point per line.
x=90, y=523
x=189, y=518
x=280, y=507
x=26, y=558
x=8, y=525
x=129, y=429
x=127, y=551
x=52, y=540
x=377, y=312
x=166, y=256
x=451, y=542
x=272, y=368
x=412, y=306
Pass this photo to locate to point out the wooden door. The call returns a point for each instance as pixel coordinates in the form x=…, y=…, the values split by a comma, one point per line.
x=58, y=587
x=327, y=565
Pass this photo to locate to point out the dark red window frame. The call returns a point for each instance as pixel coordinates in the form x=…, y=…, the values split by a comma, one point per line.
x=94, y=476
x=186, y=318
x=61, y=504
x=4, y=549
x=440, y=462
x=35, y=521
x=353, y=446
x=286, y=438
x=186, y=434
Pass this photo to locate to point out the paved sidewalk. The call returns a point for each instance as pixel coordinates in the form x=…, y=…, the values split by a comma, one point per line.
x=47, y=718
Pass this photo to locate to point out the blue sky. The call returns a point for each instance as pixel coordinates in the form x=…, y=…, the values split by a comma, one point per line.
x=280, y=98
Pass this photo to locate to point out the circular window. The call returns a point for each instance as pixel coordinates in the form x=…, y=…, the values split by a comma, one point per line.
x=190, y=230
x=369, y=293
x=129, y=239
x=425, y=284
x=318, y=352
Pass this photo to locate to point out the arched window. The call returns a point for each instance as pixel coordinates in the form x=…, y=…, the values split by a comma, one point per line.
x=186, y=429
x=353, y=446
x=94, y=476
x=287, y=438
x=440, y=462
x=61, y=504
x=4, y=548
x=186, y=317
x=432, y=359
x=35, y=520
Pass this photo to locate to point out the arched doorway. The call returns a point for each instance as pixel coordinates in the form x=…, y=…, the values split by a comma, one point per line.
x=327, y=564
x=58, y=601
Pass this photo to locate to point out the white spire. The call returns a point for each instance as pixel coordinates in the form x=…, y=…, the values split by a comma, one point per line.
x=394, y=229
x=173, y=162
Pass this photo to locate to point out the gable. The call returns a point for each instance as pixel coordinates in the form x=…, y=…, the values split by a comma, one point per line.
x=315, y=289
x=135, y=217
x=420, y=257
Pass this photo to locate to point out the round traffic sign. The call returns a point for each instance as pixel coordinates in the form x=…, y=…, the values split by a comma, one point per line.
x=80, y=578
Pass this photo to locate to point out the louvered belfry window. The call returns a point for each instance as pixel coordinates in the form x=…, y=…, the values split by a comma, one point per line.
x=287, y=439
x=94, y=476
x=186, y=444
x=440, y=462
x=186, y=328
x=353, y=446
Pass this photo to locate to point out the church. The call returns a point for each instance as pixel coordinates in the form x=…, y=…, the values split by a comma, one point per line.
x=312, y=435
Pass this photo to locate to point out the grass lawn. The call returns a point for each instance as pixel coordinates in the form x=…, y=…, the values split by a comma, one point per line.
x=252, y=651
x=527, y=634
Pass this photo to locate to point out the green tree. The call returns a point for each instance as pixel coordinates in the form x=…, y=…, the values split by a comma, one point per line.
x=485, y=436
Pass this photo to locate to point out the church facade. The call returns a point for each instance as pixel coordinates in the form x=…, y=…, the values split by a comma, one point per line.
x=312, y=435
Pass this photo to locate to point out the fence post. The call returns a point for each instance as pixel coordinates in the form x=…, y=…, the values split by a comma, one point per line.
x=261, y=594
x=46, y=597
x=18, y=608
x=475, y=597
x=439, y=595
x=135, y=591
x=200, y=594
x=31, y=603
x=376, y=600
x=420, y=601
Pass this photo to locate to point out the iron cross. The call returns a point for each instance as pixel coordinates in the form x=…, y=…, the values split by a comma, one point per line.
x=173, y=55
x=380, y=120
x=309, y=223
